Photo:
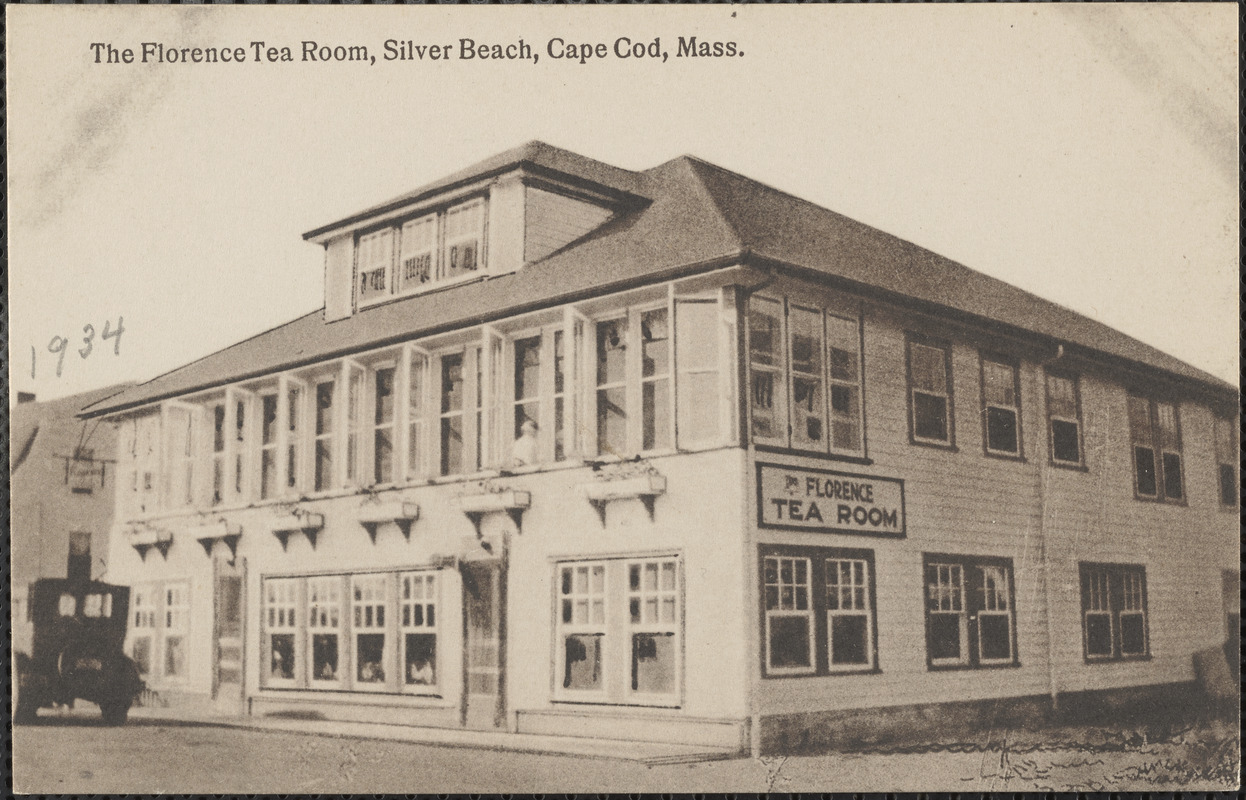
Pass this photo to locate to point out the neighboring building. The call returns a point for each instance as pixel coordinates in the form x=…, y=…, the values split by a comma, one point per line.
x=62, y=486
x=789, y=479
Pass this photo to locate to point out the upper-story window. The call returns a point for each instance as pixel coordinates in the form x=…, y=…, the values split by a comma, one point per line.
x=375, y=262
x=1064, y=420
x=633, y=383
x=324, y=436
x=1227, y=454
x=1156, y=437
x=1001, y=407
x=268, y=445
x=451, y=414
x=930, y=393
x=218, y=454
x=383, y=426
x=436, y=248
x=180, y=443
x=805, y=377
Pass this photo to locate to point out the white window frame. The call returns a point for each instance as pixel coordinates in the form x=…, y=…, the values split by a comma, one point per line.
x=863, y=609
x=325, y=618
x=662, y=597
x=951, y=597
x=328, y=437
x=1228, y=454
x=442, y=415
x=450, y=241
x=281, y=611
x=412, y=248
x=776, y=309
x=181, y=478
x=375, y=428
x=817, y=377
x=175, y=624
x=993, y=362
x=270, y=448
x=1054, y=415
x=381, y=606
x=590, y=599
x=779, y=609
x=633, y=382
x=240, y=445
x=374, y=253
x=293, y=434
x=145, y=613
x=218, y=461
x=996, y=602
x=857, y=416
x=1115, y=591
x=415, y=422
x=430, y=598
x=945, y=350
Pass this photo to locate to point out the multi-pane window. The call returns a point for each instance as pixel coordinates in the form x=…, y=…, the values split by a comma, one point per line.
x=294, y=442
x=268, y=445
x=970, y=618
x=451, y=415
x=1064, y=420
x=526, y=399
x=582, y=625
x=560, y=397
x=848, y=619
x=653, y=614
x=337, y=632
x=819, y=610
x=383, y=426
x=419, y=247
x=417, y=405
x=805, y=378
x=655, y=380
x=789, y=615
x=808, y=405
x=767, y=388
x=143, y=629
x=844, y=377
x=418, y=625
x=241, y=462
x=1227, y=455
x=930, y=393
x=218, y=454
x=1156, y=440
x=176, y=626
x=324, y=436
x=464, y=235
x=1114, y=611
x=612, y=386
x=369, y=601
x=181, y=454
x=374, y=259
x=355, y=422
x=1001, y=407
x=146, y=455
x=638, y=663
x=281, y=602
x=696, y=358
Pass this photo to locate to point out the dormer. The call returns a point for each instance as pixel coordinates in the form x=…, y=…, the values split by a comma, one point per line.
x=488, y=220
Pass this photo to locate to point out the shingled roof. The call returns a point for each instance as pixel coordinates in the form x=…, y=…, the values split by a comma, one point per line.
x=698, y=217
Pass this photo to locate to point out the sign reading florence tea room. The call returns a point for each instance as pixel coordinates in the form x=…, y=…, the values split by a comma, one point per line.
x=820, y=500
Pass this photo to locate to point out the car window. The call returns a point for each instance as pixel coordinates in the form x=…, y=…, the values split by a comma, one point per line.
x=68, y=605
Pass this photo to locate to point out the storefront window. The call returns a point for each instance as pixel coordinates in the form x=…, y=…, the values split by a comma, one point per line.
x=369, y=603
x=969, y=612
x=324, y=606
x=280, y=626
x=419, y=631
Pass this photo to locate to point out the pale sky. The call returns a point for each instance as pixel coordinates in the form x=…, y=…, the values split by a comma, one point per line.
x=1084, y=152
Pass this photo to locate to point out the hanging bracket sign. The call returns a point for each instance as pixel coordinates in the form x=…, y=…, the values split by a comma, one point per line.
x=802, y=498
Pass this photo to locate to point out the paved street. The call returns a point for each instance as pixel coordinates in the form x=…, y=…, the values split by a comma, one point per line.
x=78, y=755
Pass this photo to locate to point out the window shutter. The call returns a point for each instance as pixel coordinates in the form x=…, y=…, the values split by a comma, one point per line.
x=338, y=279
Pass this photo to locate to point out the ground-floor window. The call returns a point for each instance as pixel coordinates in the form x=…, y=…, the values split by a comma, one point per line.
x=1114, y=611
x=160, y=629
x=618, y=625
x=970, y=612
x=817, y=610
x=341, y=632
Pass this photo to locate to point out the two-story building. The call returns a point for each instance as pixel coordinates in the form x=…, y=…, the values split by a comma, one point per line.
x=670, y=455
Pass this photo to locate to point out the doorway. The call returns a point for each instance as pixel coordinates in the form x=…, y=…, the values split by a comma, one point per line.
x=227, y=636
x=484, y=611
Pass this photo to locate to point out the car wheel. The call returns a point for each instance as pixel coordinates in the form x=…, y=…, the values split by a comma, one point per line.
x=115, y=712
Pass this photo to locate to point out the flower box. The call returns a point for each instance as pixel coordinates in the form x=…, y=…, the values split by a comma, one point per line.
x=372, y=515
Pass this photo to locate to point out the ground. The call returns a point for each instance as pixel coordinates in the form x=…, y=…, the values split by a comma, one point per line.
x=78, y=755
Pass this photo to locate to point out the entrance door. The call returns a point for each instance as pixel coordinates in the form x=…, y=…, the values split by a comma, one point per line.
x=483, y=636
x=227, y=637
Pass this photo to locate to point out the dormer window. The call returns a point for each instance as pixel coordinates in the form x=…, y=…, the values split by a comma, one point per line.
x=376, y=254
x=434, y=249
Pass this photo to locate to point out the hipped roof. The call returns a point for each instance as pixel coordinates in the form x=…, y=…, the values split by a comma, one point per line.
x=698, y=217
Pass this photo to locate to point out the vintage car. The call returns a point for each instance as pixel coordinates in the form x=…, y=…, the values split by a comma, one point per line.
x=76, y=650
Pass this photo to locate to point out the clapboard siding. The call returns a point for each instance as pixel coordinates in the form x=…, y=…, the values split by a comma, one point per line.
x=1046, y=519
x=554, y=220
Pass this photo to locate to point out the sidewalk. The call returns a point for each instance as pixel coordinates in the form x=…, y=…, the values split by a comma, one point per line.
x=650, y=753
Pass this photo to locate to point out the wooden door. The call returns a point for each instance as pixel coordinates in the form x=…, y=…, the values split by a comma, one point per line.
x=483, y=637
x=227, y=636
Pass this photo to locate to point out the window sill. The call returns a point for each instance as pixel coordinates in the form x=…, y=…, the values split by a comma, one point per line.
x=352, y=696
x=824, y=456
x=1115, y=659
x=935, y=445
x=1014, y=457
x=970, y=667
x=837, y=673
x=1162, y=501
x=1068, y=465
x=477, y=275
x=673, y=705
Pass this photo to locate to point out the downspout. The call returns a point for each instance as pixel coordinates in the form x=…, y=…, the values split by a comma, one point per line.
x=1043, y=471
